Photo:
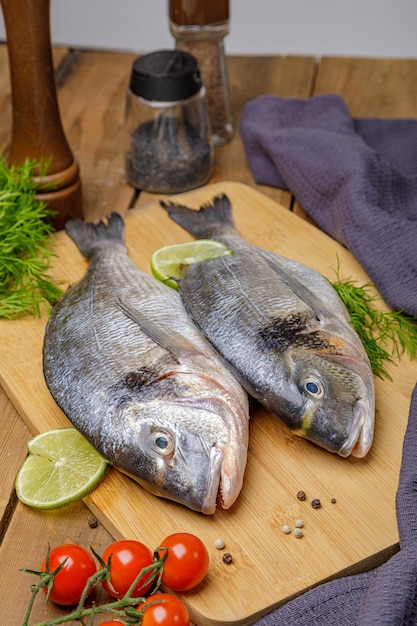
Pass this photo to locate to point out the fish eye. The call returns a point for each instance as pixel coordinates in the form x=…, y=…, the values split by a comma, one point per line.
x=163, y=442
x=313, y=387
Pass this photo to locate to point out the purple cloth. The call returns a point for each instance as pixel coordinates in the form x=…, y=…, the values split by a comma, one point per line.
x=385, y=596
x=357, y=178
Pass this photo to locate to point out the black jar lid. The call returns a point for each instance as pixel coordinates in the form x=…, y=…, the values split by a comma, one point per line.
x=165, y=76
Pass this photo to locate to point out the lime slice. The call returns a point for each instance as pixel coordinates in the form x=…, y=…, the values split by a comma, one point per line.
x=168, y=262
x=61, y=467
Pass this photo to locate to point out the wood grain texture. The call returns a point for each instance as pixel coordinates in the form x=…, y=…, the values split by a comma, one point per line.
x=268, y=567
x=32, y=530
x=371, y=87
x=383, y=88
x=58, y=55
x=93, y=99
x=13, y=437
x=5, y=101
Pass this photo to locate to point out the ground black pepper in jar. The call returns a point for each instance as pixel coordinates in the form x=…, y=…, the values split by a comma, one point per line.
x=199, y=27
x=169, y=146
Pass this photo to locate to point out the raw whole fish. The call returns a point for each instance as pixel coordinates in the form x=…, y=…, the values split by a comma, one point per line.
x=284, y=332
x=129, y=369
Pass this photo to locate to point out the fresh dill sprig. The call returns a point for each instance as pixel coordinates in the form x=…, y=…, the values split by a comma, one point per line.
x=386, y=335
x=25, y=244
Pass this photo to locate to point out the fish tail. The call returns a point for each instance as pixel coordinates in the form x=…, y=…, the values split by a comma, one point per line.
x=87, y=235
x=209, y=219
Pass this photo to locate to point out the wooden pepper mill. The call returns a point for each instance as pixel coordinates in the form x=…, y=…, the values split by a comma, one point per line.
x=199, y=28
x=37, y=131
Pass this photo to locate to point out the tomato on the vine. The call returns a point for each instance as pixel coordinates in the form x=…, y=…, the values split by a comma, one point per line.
x=128, y=558
x=69, y=583
x=187, y=561
x=162, y=609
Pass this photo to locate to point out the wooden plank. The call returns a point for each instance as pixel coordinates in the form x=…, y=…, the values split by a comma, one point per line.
x=268, y=567
x=25, y=546
x=251, y=77
x=13, y=437
x=5, y=100
x=370, y=87
x=92, y=101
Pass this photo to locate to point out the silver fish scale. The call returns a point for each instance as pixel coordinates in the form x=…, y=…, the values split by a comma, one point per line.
x=257, y=310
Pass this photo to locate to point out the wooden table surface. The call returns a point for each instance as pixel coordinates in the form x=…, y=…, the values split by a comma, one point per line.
x=91, y=92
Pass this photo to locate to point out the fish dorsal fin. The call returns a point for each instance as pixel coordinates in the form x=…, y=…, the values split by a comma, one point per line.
x=171, y=340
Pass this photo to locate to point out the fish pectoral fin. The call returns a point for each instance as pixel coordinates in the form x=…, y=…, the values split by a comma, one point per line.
x=171, y=341
x=311, y=326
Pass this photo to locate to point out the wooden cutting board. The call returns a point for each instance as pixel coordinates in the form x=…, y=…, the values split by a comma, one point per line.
x=355, y=533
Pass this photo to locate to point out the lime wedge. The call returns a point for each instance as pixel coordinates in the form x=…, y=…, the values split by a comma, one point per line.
x=61, y=467
x=168, y=262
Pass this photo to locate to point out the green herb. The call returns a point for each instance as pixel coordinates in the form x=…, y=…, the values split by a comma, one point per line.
x=385, y=334
x=25, y=243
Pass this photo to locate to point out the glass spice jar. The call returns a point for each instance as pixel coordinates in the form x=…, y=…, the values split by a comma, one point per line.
x=199, y=27
x=168, y=138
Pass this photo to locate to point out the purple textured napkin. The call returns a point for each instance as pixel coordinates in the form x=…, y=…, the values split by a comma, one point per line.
x=357, y=178
x=385, y=596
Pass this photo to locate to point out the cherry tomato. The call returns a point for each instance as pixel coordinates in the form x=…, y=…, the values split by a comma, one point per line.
x=167, y=611
x=71, y=580
x=128, y=558
x=187, y=561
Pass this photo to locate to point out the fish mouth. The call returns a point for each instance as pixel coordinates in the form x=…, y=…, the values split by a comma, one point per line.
x=227, y=466
x=214, y=491
x=360, y=437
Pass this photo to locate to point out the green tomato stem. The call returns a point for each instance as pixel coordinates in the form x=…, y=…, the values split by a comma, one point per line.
x=122, y=608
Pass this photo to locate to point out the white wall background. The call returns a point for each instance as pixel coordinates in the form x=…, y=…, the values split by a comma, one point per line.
x=377, y=28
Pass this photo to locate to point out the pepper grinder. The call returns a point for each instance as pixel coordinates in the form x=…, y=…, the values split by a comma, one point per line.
x=37, y=131
x=168, y=140
x=199, y=27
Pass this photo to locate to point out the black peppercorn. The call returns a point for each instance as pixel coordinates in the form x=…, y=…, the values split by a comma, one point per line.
x=316, y=504
x=301, y=495
x=92, y=522
x=227, y=558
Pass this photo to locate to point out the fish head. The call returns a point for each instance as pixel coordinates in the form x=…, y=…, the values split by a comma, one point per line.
x=330, y=400
x=184, y=452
